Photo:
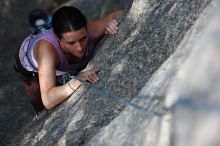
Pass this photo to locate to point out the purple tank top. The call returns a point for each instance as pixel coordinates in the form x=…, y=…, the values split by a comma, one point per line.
x=63, y=65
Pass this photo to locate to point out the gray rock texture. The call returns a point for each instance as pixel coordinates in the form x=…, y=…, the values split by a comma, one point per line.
x=157, y=126
x=196, y=113
x=156, y=62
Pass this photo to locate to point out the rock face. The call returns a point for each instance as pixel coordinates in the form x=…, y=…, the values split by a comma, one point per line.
x=180, y=90
x=151, y=63
x=196, y=113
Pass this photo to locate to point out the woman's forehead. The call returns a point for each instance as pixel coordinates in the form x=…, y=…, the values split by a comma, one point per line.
x=74, y=35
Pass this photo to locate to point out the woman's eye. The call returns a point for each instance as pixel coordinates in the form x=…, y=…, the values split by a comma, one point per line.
x=84, y=38
x=71, y=43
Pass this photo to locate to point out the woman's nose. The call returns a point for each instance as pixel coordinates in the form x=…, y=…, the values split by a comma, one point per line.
x=78, y=46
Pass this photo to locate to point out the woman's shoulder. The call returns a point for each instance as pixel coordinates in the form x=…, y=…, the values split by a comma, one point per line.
x=45, y=49
x=45, y=46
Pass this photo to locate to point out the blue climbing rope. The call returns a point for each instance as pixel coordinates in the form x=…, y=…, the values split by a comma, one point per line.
x=120, y=99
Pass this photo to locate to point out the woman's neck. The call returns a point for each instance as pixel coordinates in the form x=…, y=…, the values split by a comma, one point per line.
x=73, y=59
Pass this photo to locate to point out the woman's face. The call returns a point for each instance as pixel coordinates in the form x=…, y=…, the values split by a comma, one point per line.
x=75, y=43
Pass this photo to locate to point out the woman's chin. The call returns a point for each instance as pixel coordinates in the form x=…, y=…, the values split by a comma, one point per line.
x=77, y=55
x=80, y=55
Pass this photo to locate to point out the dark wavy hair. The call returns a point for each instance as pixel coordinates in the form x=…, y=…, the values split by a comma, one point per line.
x=67, y=19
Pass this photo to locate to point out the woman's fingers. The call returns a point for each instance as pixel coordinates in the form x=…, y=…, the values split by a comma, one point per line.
x=112, y=27
x=115, y=22
x=95, y=76
x=90, y=79
x=111, y=30
x=91, y=76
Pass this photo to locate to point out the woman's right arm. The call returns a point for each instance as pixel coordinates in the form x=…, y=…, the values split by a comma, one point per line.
x=51, y=94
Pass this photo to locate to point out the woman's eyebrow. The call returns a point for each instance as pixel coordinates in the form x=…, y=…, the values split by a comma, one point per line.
x=77, y=40
x=83, y=37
